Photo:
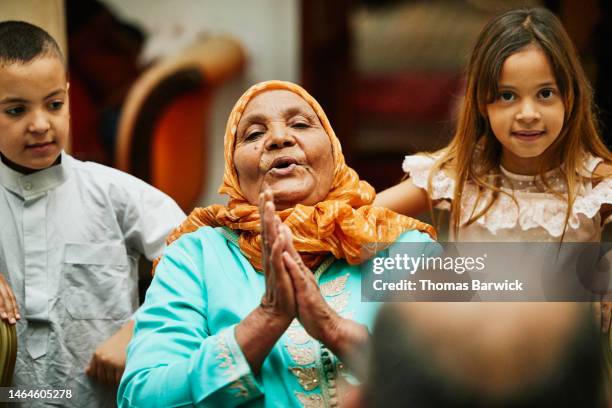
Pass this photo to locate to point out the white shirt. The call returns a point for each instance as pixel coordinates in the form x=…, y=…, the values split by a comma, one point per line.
x=70, y=239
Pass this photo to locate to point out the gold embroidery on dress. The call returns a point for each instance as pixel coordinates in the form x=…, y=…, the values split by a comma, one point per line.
x=338, y=303
x=310, y=400
x=335, y=286
x=298, y=335
x=223, y=354
x=306, y=376
x=301, y=355
x=227, y=362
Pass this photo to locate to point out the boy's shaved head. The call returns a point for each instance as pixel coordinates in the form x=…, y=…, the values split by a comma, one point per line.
x=22, y=42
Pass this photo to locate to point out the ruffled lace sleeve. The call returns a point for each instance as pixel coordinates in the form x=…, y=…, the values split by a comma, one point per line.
x=419, y=167
x=590, y=204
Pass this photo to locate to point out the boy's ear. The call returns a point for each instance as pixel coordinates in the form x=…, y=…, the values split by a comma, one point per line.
x=67, y=86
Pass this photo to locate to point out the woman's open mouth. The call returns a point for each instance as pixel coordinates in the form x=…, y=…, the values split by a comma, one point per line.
x=283, y=166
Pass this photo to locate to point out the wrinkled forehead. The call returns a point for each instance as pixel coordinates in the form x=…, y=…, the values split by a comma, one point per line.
x=267, y=100
x=277, y=104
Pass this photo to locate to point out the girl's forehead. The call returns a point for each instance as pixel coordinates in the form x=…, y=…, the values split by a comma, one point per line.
x=529, y=65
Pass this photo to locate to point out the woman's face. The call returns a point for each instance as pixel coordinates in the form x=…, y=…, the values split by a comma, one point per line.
x=281, y=143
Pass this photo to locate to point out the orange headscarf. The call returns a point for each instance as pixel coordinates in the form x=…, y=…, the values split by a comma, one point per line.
x=340, y=225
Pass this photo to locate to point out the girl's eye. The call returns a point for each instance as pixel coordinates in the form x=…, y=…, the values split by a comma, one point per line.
x=506, y=96
x=56, y=105
x=547, y=93
x=16, y=111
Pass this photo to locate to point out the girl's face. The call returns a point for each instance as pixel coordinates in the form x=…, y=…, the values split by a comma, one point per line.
x=527, y=115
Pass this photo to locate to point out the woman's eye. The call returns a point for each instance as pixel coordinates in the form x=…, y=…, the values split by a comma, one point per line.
x=547, y=93
x=300, y=125
x=16, y=111
x=56, y=105
x=253, y=135
x=506, y=96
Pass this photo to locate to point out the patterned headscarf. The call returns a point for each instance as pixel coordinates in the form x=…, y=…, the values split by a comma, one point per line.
x=340, y=225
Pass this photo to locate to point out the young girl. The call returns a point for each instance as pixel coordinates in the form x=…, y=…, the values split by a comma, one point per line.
x=526, y=162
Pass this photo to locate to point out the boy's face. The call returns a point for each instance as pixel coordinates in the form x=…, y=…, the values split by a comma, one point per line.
x=34, y=114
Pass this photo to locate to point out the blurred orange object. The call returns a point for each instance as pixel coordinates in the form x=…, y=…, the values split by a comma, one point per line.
x=162, y=129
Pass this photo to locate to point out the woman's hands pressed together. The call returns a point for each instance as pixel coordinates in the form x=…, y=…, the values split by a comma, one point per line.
x=316, y=316
x=291, y=292
x=279, y=298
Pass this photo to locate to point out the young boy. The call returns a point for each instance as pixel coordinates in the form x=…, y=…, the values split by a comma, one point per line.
x=71, y=233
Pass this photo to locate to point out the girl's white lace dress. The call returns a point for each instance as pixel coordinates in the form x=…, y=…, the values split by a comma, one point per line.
x=538, y=217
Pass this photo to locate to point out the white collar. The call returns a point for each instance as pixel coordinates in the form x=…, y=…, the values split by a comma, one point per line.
x=29, y=186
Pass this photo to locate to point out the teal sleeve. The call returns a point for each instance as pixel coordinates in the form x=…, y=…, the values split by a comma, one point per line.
x=417, y=242
x=173, y=360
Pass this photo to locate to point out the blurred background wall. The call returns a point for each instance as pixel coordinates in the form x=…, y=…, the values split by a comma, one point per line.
x=267, y=29
x=49, y=14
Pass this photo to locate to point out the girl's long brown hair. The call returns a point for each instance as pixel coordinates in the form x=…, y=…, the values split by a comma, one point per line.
x=474, y=152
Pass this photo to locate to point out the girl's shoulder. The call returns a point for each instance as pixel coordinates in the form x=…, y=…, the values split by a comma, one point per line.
x=594, y=167
x=602, y=170
x=419, y=168
x=597, y=196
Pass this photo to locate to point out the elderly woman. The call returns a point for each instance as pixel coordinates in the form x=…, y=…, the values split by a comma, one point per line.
x=263, y=295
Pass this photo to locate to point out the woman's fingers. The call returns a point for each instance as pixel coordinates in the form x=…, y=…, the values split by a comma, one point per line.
x=268, y=220
x=294, y=270
x=279, y=293
x=268, y=233
x=302, y=272
x=276, y=256
x=283, y=286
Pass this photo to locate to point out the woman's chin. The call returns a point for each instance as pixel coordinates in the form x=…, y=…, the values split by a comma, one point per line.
x=290, y=197
x=289, y=192
x=287, y=199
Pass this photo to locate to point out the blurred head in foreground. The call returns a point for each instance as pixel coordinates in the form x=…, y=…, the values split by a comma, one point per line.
x=484, y=355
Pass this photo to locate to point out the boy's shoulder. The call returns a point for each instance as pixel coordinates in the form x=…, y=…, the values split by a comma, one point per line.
x=102, y=175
